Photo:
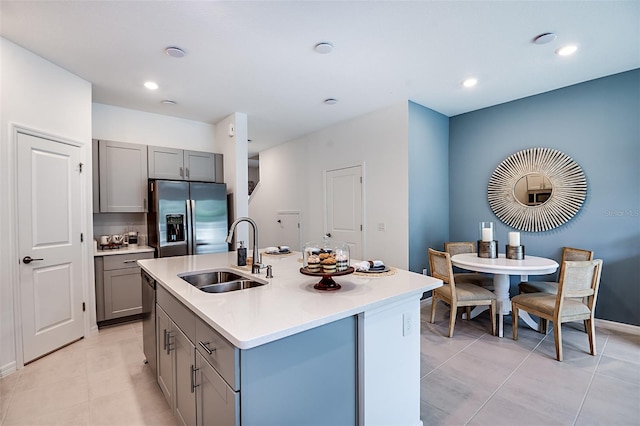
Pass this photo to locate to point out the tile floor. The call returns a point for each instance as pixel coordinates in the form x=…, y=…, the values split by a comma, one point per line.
x=470, y=379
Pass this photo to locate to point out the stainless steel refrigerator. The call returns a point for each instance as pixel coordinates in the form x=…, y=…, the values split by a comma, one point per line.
x=187, y=217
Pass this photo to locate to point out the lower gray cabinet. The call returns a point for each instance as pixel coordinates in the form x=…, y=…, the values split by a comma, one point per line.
x=118, y=285
x=176, y=365
x=216, y=402
x=185, y=402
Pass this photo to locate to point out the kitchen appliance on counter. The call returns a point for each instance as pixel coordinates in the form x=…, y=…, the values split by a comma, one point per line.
x=187, y=217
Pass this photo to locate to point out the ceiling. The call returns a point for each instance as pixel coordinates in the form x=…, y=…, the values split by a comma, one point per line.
x=258, y=58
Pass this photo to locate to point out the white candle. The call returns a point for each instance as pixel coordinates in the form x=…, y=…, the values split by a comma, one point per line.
x=487, y=234
x=514, y=239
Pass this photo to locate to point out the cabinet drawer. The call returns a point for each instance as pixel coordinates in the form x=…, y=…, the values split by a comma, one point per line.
x=121, y=261
x=183, y=317
x=223, y=357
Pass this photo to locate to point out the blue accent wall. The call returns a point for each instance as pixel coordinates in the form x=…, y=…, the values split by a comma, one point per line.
x=428, y=183
x=597, y=123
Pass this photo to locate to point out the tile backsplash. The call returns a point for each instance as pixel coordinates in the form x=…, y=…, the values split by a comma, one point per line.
x=119, y=223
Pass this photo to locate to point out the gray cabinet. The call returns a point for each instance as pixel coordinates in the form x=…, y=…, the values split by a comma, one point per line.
x=176, y=356
x=118, y=285
x=178, y=164
x=122, y=177
x=216, y=402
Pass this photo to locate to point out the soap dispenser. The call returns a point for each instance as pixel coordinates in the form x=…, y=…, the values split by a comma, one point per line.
x=242, y=254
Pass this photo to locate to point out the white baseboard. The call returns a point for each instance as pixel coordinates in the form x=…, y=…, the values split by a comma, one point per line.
x=7, y=369
x=618, y=326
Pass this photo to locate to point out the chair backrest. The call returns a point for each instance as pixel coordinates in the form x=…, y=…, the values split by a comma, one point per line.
x=440, y=266
x=580, y=279
x=454, y=248
x=570, y=253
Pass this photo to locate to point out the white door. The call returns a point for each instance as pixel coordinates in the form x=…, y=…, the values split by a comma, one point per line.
x=344, y=207
x=289, y=230
x=49, y=233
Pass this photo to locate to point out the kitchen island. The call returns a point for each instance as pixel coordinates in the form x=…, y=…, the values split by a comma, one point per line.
x=306, y=356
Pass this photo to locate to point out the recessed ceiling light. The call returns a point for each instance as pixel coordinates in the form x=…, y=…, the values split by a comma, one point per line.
x=330, y=101
x=168, y=102
x=470, y=82
x=324, y=47
x=151, y=85
x=174, y=52
x=545, y=38
x=567, y=50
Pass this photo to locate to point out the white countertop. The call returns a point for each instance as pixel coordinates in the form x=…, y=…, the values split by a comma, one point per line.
x=288, y=304
x=123, y=250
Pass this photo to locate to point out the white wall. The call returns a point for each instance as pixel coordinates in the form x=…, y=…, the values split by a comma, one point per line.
x=38, y=95
x=292, y=179
x=233, y=146
x=128, y=125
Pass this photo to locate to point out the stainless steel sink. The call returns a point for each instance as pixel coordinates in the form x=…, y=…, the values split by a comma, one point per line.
x=220, y=281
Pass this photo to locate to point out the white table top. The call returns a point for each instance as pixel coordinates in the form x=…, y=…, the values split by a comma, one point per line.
x=288, y=304
x=530, y=265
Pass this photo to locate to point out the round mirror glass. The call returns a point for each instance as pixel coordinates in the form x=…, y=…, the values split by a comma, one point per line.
x=533, y=189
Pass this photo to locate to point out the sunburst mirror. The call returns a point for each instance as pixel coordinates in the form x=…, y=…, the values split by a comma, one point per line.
x=537, y=189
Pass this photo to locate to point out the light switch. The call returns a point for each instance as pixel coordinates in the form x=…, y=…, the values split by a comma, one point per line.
x=382, y=227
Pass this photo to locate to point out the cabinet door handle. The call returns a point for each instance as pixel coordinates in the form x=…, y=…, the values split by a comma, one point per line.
x=164, y=348
x=186, y=171
x=167, y=343
x=193, y=379
x=181, y=172
x=129, y=261
x=205, y=346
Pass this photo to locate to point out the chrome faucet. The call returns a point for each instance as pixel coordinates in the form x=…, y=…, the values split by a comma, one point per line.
x=257, y=263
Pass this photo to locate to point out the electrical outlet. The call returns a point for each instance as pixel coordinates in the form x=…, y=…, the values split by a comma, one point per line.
x=407, y=323
x=382, y=227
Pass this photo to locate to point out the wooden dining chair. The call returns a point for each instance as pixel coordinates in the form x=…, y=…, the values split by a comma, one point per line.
x=551, y=287
x=458, y=247
x=574, y=301
x=457, y=294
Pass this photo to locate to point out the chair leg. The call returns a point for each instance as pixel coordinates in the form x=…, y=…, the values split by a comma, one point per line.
x=543, y=327
x=492, y=313
x=557, y=335
x=468, y=312
x=434, y=302
x=591, y=330
x=514, y=320
x=452, y=319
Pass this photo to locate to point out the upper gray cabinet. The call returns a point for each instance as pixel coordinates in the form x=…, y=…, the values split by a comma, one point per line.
x=122, y=183
x=178, y=164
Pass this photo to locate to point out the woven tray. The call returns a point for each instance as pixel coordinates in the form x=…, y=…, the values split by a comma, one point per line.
x=391, y=271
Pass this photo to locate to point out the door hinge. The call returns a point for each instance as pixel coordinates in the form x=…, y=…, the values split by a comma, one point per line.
x=81, y=237
x=360, y=227
x=80, y=167
x=84, y=307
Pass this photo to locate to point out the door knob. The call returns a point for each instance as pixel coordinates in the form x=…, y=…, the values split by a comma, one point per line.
x=28, y=259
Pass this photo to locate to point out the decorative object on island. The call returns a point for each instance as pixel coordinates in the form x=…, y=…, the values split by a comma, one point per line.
x=537, y=189
x=514, y=250
x=487, y=246
x=326, y=259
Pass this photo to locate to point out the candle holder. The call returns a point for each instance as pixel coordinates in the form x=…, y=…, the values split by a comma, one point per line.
x=488, y=249
x=514, y=252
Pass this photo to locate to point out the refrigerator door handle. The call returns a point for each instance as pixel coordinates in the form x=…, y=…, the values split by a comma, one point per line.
x=191, y=204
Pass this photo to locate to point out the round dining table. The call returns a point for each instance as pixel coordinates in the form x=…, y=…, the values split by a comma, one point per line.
x=502, y=268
